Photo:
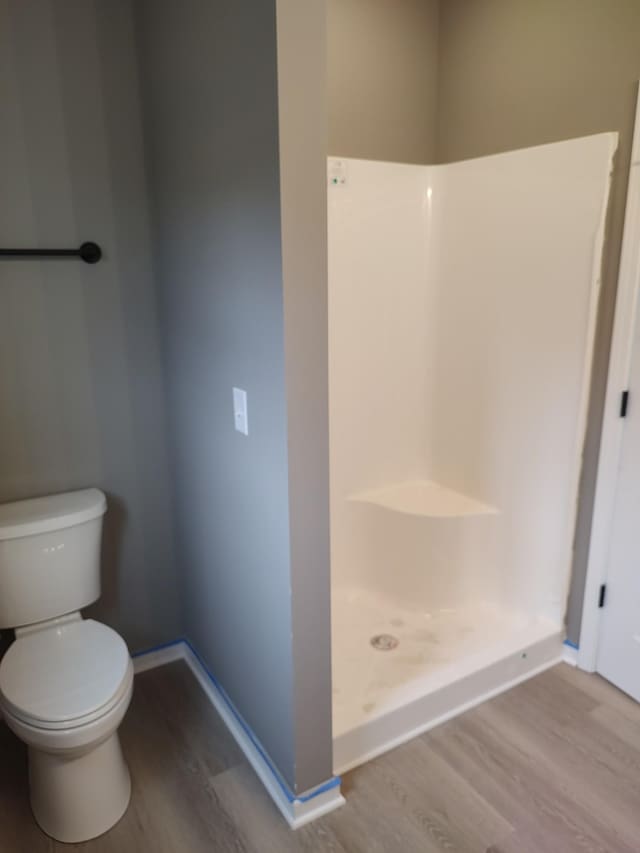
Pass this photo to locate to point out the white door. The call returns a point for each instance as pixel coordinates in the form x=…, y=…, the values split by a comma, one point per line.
x=619, y=645
x=613, y=639
x=610, y=633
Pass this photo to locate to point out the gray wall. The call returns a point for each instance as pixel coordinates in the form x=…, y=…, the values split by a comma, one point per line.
x=81, y=398
x=212, y=129
x=382, y=76
x=514, y=73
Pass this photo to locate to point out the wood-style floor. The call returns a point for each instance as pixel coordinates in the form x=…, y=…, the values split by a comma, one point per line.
x=553, y=766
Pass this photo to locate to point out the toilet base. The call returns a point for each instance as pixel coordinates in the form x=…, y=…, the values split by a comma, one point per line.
x=78, y=796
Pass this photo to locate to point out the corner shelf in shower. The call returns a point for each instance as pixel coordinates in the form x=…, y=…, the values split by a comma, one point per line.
x=424, y=498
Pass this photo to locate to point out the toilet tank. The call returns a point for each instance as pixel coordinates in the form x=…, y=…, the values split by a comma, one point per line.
x=49, y=556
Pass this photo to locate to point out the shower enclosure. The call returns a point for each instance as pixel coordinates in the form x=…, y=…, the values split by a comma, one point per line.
x=462, y=307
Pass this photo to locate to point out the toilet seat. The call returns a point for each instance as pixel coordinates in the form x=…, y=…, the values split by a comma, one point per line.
x=65, y=676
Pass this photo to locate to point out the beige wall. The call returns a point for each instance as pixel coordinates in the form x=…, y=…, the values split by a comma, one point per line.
x=426, y=81
x=515, y=73
x=302, y=108
x=382, y=79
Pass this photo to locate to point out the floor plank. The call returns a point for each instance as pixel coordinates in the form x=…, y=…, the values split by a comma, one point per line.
x=552, y=766
x=261, y=828
x=429, y=794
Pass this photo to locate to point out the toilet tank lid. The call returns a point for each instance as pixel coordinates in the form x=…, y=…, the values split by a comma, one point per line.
x=54, y=512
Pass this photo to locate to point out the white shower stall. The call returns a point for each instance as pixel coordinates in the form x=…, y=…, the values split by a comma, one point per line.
x=462, y=309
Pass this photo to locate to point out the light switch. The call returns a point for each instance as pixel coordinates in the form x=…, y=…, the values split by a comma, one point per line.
x=240, y=417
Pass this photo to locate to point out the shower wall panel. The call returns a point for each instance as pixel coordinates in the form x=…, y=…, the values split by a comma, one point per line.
x=462, y=311
x=517, y=281
x=378, y=354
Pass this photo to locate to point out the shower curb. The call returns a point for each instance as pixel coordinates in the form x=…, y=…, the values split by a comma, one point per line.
x=388, y=731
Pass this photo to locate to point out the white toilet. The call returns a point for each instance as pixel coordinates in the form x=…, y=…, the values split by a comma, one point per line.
x=65, y=682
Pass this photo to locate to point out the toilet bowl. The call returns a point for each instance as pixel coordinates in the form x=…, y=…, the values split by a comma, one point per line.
x=64, y=689
x=65, y=682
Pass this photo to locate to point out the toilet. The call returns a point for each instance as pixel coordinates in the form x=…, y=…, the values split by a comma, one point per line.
x=65, y=681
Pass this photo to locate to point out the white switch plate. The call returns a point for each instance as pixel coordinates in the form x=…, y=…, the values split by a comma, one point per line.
x=240, y=416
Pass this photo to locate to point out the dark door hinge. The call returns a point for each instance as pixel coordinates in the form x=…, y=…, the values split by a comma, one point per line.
x=603, y=595
x=624, y=404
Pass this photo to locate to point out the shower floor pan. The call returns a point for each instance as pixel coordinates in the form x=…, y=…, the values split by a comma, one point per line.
x=445, y=661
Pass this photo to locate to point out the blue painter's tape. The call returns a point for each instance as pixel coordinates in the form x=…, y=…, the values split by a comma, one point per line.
x=158, y=648
x=571, y=645
x=329, y=785
x=326, y=786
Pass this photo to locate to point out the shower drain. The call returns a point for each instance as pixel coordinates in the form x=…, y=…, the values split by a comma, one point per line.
x=384, y=642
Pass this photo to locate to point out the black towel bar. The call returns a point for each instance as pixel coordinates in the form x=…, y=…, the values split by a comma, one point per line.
x=90, y=253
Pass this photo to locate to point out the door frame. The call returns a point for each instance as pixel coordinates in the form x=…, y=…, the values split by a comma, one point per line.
x=624, y=330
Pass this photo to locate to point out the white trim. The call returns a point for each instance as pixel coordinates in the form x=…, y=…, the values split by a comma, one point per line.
x=158, y=657
x=570, y=655
x=296, y=813
x=612, y=424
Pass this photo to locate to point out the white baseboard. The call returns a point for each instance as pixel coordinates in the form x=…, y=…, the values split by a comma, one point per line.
x=158, y=657
x=297, y=811
x=570, y=655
